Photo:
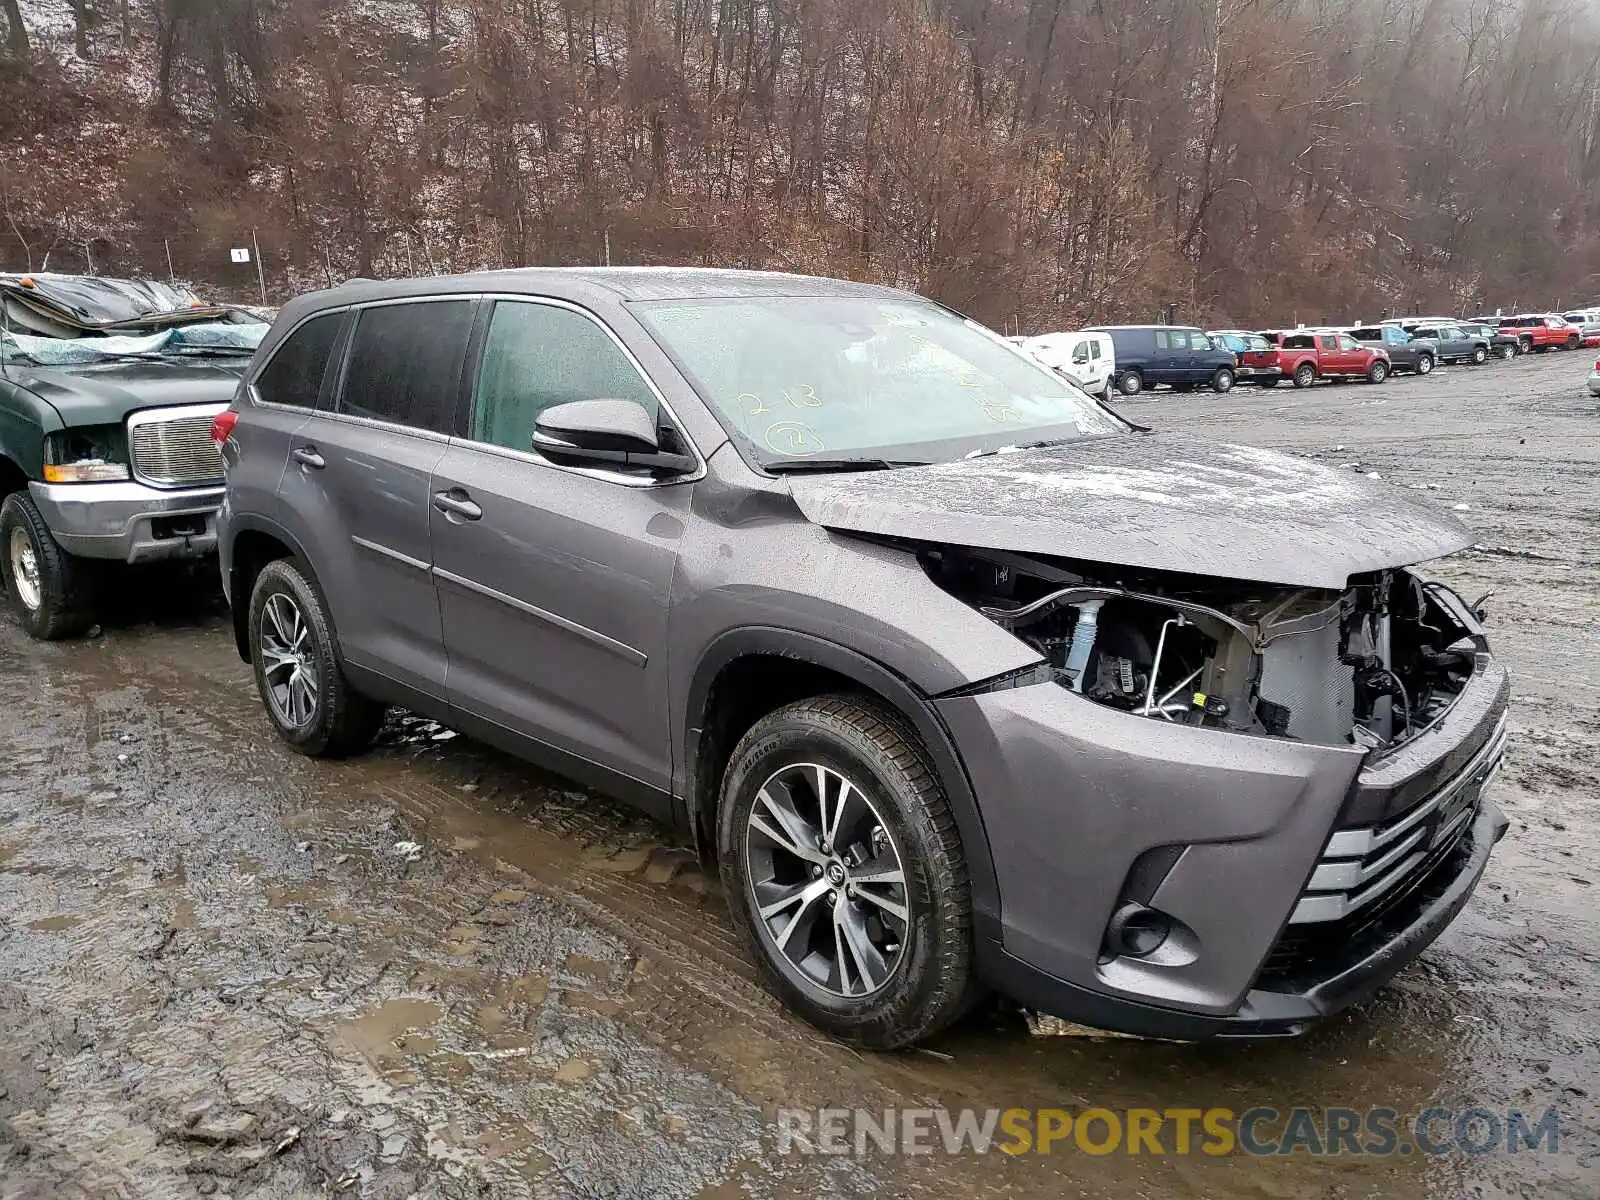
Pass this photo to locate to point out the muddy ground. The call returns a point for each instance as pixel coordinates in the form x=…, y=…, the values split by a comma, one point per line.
x=226, y=970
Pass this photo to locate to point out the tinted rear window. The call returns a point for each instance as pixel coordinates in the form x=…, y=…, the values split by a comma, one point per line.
x=1367, y=335
x=405, y=364
x=294, y=376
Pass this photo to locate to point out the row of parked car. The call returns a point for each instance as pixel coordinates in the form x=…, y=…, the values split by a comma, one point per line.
x=1132, y=358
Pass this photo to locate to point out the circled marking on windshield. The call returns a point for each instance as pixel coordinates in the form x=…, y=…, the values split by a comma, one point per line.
x=792, y=437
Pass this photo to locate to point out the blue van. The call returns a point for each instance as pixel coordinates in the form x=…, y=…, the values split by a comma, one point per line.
x=1178, y=355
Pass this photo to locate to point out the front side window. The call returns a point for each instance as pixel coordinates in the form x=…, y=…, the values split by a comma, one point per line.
x=405, y=364
x=1348, y=343
x=294, y=376
x=1080, y=352
x=844, y=375
x=539, y=355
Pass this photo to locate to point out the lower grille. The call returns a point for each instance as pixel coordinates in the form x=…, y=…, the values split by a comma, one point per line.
x=1360, y=866
x=172, y=447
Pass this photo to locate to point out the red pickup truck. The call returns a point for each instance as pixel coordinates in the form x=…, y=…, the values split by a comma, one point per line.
x=1305, y=356
x=1541, y=331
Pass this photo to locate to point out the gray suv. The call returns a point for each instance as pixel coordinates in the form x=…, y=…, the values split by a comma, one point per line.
x=964, y=681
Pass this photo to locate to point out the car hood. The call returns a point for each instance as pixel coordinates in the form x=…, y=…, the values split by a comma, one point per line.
x=105, y=393
x=1157, y=501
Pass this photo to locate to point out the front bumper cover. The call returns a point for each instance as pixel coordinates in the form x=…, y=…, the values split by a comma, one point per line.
x=1076, y=798
x=130, y=522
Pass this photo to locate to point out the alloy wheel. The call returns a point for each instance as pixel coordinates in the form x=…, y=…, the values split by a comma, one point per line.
x=289, y=658
x=25, y=570
x=826, y=881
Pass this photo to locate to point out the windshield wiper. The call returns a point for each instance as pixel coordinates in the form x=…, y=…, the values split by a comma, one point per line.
x=795, y=466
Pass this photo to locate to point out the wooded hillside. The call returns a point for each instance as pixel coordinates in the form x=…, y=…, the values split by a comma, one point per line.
x=1033, y=162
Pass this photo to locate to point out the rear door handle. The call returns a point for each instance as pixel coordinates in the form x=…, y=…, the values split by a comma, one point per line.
x=455, y=503
x=307, y=456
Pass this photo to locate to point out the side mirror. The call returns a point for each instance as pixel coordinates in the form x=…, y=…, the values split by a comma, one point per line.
x=604, y=432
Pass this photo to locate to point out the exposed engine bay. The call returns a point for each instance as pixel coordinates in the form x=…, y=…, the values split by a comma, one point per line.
x=1373, y=665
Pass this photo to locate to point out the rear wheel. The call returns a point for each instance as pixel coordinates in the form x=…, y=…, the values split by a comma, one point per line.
x=52, y=591
x=1507, y=351
x=1525, y=344
x=844, y=871
x=1305, y=375
x=1222, y=380
x=298, y=674
x=1480, y=354
x=1378, y=371
x=1131, y=383
x=1268, y=381
x=1424, y=364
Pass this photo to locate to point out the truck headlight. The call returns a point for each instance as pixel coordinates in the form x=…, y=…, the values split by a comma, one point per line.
x=91, y=454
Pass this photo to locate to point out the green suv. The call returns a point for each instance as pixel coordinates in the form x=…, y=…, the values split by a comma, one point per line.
x=107, y=392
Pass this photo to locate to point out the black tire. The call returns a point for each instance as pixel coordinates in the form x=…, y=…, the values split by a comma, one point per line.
x=1268, y=381
x=1525, y=344
x=64, y=604
x=1480, y=355
x=1183, y=387
x=1130, y=383
x=1222, y=380
x=338, y=720
x=1574, y=341
x=1305, y=375
x=1424, y=364
x=1506, y=352
x=1378, y=371
x=929, y=981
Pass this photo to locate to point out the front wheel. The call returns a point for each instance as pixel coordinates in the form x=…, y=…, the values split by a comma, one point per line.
x=1305, y=375
x=52, y=591
x=1131, y=383
x=1222, y=380
x=298, y=674
x=1574, y=341
x=1480, y=355
x=1378, y=372
x=844, y=871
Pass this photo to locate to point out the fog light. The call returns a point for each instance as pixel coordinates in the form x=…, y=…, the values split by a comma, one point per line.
x=1136, y=931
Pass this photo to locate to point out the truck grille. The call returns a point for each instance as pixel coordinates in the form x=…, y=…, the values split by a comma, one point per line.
x=172, y=447
x=1359, y=867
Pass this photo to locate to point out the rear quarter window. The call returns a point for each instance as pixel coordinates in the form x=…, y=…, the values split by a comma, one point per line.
x=293, y=376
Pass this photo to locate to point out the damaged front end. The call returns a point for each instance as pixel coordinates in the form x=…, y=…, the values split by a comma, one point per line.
x=1371, y=666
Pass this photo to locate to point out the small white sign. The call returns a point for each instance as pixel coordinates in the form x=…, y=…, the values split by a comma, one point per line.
x=241, y=254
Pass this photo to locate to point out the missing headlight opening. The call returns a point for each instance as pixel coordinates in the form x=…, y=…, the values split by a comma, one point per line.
x=1373, y=665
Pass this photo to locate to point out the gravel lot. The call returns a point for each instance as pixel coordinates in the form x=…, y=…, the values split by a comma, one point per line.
x=226, y=970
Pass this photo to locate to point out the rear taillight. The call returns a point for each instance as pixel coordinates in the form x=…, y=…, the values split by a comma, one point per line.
x=222, y=425
x=1597, y=364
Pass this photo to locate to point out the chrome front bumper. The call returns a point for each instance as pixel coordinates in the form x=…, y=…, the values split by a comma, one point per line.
x=130, y=522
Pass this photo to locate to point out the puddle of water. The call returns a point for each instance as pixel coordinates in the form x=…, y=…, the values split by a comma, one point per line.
x=380, y=1034
x=54, y=924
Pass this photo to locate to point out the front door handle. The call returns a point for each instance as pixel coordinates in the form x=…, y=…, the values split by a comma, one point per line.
x=307, y=456
x=455, y=503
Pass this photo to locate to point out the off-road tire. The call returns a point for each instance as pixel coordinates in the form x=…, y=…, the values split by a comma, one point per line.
x=1130, y=383
x=66, y=583
x=1304, y=375
x=870, y=744
x=343, y=721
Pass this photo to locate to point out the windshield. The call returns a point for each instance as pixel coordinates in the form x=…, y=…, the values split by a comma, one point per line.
x=855, y=376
